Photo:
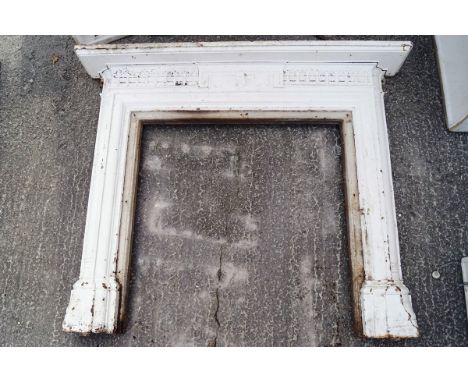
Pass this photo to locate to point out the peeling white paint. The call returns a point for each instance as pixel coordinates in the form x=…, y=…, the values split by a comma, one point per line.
x=300, y=78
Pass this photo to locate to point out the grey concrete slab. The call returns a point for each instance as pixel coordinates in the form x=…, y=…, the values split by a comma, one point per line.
x=240, y=237
x=48, y=119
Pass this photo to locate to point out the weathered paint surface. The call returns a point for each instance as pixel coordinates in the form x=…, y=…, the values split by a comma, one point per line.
x=219, y=80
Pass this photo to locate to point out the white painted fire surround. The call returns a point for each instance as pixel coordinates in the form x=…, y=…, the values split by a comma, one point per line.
x=339, y=81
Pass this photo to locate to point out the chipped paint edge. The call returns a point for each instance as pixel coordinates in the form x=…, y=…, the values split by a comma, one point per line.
x=388, y=55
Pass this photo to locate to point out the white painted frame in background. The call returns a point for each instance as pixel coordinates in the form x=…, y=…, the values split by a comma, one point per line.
x=452, y=54
x=291, y=80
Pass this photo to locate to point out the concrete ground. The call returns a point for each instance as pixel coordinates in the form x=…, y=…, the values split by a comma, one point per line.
x=239, y=239
x=48, y=116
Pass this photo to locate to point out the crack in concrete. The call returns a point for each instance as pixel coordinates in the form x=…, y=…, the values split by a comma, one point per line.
x=216, y=317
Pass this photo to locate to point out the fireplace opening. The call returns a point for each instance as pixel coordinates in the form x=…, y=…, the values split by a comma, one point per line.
x=240, y=237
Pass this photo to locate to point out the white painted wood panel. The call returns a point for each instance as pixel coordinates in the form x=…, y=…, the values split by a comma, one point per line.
x=452, y=52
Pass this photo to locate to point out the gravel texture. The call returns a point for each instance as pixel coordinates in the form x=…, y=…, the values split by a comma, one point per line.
x=49, y=109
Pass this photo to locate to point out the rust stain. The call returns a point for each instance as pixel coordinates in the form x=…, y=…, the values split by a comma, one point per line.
x=55, y=58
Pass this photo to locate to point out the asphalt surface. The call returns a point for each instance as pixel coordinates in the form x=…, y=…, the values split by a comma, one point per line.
x=49, y=109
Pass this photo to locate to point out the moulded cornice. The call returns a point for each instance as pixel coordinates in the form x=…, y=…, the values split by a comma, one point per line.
x=387, y=55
